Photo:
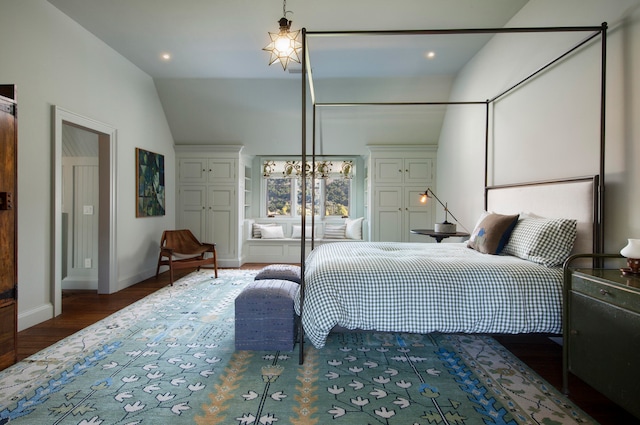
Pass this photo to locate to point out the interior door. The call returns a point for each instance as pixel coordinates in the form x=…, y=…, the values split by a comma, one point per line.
x=8, y=216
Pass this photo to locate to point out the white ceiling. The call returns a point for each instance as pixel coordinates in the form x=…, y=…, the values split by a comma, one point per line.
x=224, y=39
x=211, y=41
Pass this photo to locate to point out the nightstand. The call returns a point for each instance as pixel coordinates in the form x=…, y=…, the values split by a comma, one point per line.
x=602, y=333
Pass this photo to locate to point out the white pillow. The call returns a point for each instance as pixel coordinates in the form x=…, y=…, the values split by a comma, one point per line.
x=272, y=232
x=354, y=228
x=257, y=229
x=297, y=232
x=528, y=214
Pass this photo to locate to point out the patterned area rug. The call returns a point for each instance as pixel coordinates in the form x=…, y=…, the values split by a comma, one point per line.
x=170, y=359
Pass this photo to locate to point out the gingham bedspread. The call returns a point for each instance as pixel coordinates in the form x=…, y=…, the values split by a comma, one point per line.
x=424, y=287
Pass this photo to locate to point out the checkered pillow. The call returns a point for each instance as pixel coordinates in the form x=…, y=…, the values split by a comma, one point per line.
x=546, y=241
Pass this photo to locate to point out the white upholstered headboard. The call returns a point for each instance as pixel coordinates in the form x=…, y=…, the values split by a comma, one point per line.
x=570, y=198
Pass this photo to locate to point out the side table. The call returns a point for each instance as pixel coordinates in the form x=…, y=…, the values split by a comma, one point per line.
x=438, y=236
x=601, y=344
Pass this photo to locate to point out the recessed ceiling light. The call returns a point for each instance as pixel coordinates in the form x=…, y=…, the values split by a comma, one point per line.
x=430, y=55
x=165, y=56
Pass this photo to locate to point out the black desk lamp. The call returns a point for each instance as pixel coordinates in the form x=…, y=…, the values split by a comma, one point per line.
x=445, y=226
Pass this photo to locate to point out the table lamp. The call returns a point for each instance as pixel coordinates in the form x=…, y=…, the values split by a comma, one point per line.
x=632, y=252
x=445, y=226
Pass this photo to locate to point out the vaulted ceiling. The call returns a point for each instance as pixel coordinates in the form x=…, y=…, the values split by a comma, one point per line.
x=211, y=41
x=223, y=39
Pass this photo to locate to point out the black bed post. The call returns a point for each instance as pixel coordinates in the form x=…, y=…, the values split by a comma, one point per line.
x=486, y=152
x=313, y=177
x=603, y=103
x=304, y=191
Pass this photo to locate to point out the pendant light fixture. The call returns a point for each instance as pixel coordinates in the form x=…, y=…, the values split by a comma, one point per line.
x=285, y=45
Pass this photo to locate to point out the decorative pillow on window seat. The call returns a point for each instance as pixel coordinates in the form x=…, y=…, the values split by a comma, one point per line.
x=272, y=232
x=492, y=233
x=296, y=232
x=332, y=231
x=353, y=229
x=257, y=229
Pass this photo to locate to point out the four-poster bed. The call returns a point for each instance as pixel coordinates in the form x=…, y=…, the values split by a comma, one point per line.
x=582, y=205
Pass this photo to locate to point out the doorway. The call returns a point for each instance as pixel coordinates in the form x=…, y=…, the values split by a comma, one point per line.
x=105, y=258
x=80, y=207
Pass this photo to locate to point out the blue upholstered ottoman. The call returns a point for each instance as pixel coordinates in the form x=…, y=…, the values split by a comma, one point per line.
x=280, y=271
x=265, y=316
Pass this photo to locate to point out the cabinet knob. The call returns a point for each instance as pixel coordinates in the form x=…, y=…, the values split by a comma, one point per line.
x=574, y=332
x=399, y=171
x=604, y=291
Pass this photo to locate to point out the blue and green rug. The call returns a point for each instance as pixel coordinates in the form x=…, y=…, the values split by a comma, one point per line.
x=170, y=359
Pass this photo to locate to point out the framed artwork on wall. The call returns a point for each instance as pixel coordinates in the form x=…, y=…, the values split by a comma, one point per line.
x=150, y=194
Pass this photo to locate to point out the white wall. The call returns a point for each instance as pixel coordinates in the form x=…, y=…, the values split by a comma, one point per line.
x=549, y=128
x=54, y=61
x=259, y=113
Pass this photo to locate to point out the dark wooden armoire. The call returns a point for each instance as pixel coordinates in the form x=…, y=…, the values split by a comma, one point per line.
x=8, y=226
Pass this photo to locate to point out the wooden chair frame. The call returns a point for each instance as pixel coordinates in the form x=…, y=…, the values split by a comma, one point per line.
x=180, y=249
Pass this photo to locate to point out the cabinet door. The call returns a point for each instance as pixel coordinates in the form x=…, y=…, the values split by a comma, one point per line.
x=193, y=170
x=416, y=215
x=222, y=170
x=603, y=349
x=8, y=233
x=388, y=170
x=419, y=170
x=221, y=220
x=192, y=208
x=388, y=212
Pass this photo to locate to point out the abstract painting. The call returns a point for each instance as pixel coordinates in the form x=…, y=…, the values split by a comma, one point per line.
x=150, y=193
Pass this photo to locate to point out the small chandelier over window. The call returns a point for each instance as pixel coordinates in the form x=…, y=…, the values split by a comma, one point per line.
x=284, y=46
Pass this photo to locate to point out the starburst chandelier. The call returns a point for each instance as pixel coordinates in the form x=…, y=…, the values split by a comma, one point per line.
x=284, y=46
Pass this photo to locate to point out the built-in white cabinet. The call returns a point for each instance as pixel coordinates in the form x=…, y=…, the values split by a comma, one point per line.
x=211, y=197
x=400, y=174
x=403, y=170
x=207, y=170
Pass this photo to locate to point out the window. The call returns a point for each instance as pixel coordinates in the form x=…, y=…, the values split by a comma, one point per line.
x=283, y=188
x=310, y=193
x=337, y=193
x=279, y=196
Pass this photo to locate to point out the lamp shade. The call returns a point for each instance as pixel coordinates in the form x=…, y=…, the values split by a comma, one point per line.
x=632, y=250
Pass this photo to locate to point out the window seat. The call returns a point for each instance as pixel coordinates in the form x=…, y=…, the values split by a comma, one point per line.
x=286, y=249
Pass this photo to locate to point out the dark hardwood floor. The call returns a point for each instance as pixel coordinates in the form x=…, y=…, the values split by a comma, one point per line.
x=83, y=308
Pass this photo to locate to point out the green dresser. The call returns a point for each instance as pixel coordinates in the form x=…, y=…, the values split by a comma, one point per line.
x=602, y=334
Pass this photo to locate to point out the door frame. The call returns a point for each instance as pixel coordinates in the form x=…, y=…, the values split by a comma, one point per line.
x=107, y=256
